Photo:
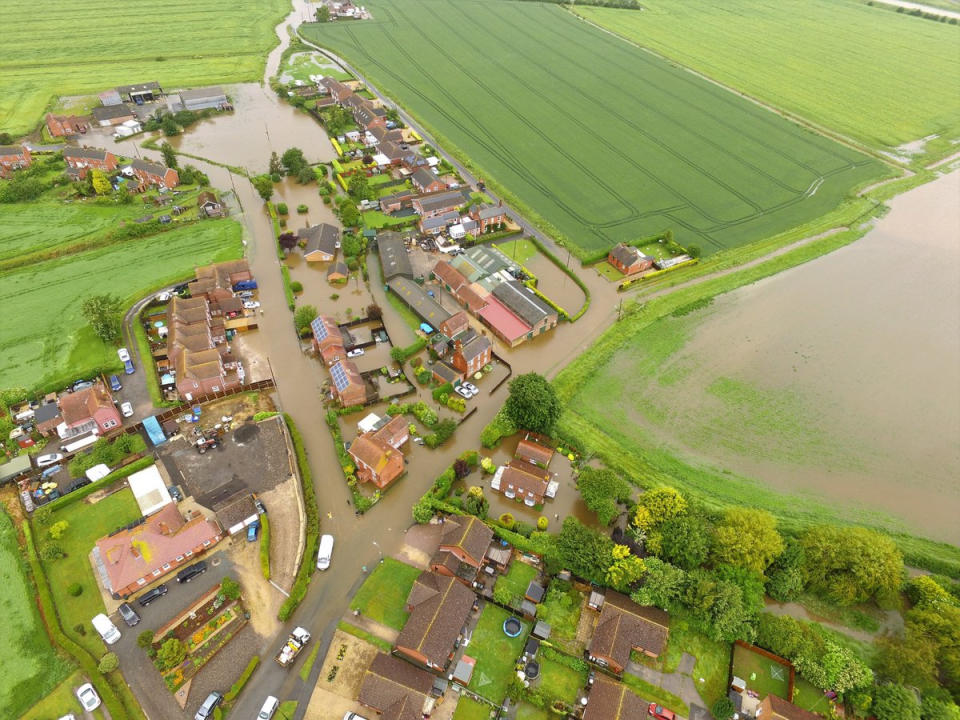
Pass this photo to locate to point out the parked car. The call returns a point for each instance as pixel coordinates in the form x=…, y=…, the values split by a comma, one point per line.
x=175, y=493
x=128, y=367
x=252, y=530
x=81, y=385
x=123, y=354
x=660, y=713
x=463, y=392
x=163, y=297
x=251, y=304
x=107, y=630
x=206, y=710
x=258, y=503
x=88, y=697
x=150, y=595
x=165, y=219
x=189, y=573
x=353, y=716
x=270, y=706
x=326, y=550
x=355, y=353
x=49, y=459
x=471, y=387
x=126, y=409
x=115, y=383
x=245, y=294
x=128, y=614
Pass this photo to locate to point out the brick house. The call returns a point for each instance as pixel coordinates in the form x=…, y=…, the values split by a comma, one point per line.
x=531, y=451
x=327, y=335
x=130, y=559
x=348, y=385
x=66, y=125
x=377, y=454
x=436, y=204
x=426, y=182
x=216, y=281
x=624, y=626
x=610, y=700
x=81, y=161
x=522, y=481
x=628, y=259
x=463, y=544
x=90, y=410
x=487, y=217
x=13, y=157
x=151, y=173
x=456, y=324
x=47, y=417
x=396, y=201
x=396, y=689
x=470, y=358
x=336, y=89
x=438, y=607
x=320, y=242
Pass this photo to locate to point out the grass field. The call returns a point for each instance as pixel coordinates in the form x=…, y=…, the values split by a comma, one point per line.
x=61, y=701
x=180, y=43
x=495, y=653
x=86, y=524
x=43, y=336
x=468, y=709
x=838, y=64
x=762, y=675
x=560, y=682
x=519, y=250
x=517, y=580
x=34, y=668
x=533, y=98
x=383, y=595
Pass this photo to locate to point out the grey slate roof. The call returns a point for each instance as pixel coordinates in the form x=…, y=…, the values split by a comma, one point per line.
x=111, y=112
x=432, y=202
x=323, y=237
x=423, y=177
x=417, y=299
x=489, y=211
x=393, y=255
x=85, y=153
x=522, y=303
x=150, y=167
x=441, y=221
x=214, y=91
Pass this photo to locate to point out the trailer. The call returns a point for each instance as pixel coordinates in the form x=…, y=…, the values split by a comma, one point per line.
x=292, y=647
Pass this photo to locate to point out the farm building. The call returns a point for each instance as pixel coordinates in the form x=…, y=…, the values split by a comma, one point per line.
x=198, y=99
x=141, y=93
x=418, y=300
x=112, y=115
x=393, y=256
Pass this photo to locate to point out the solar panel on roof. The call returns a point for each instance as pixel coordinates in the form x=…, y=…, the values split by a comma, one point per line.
x=319, y=329
x=339, y=376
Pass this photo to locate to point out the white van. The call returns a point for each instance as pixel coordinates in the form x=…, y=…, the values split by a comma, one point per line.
x=270, y=706
x=108, y=631
x=326, y=550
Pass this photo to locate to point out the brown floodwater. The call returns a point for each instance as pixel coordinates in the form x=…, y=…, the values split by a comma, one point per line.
x=864, y=345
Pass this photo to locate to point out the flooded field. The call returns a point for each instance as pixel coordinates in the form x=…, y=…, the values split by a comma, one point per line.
x=839, y=379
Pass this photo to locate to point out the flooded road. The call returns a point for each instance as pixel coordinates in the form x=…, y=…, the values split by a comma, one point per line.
x=840, y=377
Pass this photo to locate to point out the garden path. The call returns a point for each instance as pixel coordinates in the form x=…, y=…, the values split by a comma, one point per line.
x=680, y=683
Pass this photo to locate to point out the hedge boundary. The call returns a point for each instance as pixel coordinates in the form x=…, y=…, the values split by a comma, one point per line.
x=302, y=581
x=77, y=495
x=568, y=272
x=265, y=546
x=241, y=682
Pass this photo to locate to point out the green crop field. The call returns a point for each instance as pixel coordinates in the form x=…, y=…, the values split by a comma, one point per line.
x=43, y=336
x=602, y=140
x=882, y=77
x=68, y=48
x=37, y=669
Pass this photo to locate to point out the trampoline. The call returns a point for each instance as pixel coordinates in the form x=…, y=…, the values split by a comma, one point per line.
x=512, y=627
x=532, y=670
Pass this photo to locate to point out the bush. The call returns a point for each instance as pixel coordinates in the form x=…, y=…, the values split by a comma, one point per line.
x=265, y=547
x=80, y=629
x=230, y=588
x=507, y=521
x=108, y=663
x=302, y=209
x=542, y=523
x=75, y=589
x=296, y=286
x=171, y=653
x=145, y=639
x=235, y=689
x=282, y=209
x=723, y=709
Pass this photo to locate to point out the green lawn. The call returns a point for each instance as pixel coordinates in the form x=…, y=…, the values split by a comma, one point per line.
x=609, y=271
x=300, y=66
x=43, y=336
x=787, y=53
x=518, y=578
x=519, y=250
x=60, y=702
x=560, y=682
x=762, y=675
x=468, y=709
x=33, y=668
x=713, y=658
x=364, y=635
x=547, y=115
x=86, y=524
x=383, y=595
x=495, y=653
x=561, y=609
x=525, y=711
x=376, y=219
x=287, y=710
x=810, y=698
x=190, y=44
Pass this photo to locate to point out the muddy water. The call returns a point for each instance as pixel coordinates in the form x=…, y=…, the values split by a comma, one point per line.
x=868, y=339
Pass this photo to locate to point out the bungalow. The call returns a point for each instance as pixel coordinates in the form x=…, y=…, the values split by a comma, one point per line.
x=624, y=626
x=336, y=89
x=417, y=299
x=391, y=152
x=338, y=272
x=320, y=242
x=426, y=182
x=109, y=115
x=436, y=224
x=65, y=125
x=776, y=708
x=487, y=217
x=377, y=453
x=438, y=607
x=438, y=203
x=133, y=557
x=396, y=689
x=198, y=99
x=141, y=93
x=81, y=160
x=90, y=410
x=628, y=259
x=470, y=357
x=521, y=481
x=208, y=204
x=394, y=258
x=348, y=385
x=151, y=173
x=523, y=303
x=13, y=157
x=466, y=538
x=610, y=700
x=381, y=134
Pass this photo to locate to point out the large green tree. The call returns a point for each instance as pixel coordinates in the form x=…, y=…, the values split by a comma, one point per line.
x=685, y=540
x=718, y=608
x=894, y=702
x=582, y=550
x=747, y=538
x=359, y=188
x=849, y=565
x=169, y=154
x=663, y=585
x=786, y=575
x=263, y=185
x=293, y=160
x=602, y=491
x=533, y=403
x=304, y=316
x=103, y=312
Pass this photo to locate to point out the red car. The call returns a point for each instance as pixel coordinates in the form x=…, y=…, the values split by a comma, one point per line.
x=660, y=713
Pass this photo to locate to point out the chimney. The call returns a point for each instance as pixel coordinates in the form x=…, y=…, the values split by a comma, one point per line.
x=500, y=203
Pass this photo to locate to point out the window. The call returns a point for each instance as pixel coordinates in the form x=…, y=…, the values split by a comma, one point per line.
x=166, y=566
x=206, y=543
x=216, y=388
x=142, y=581
x=179, y=558
x=156, y=573
x=109, y=423
x=188, y=553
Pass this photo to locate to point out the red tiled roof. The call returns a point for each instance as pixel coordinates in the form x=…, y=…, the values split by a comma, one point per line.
x=504, y=321
x=80, y=406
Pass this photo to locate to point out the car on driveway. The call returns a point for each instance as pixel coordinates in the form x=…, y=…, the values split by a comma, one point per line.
x=128, y=367
x=471, y=387
x=150, y=595
x=258, y=503
x=189, y=573
x=270, y=706
x=206, y=710
x=49, y=459
x=245, y=294
x=128, y=614
x=123, y=354
x=88, y=697
x=252, y=530
x=660, y=713
x=251, y=304
x=127, y=409
x=463, y=392
x=115, y=383
x=81, y=385
x=355, y=353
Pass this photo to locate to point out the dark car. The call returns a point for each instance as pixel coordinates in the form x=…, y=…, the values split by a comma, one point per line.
x=258, y=503
x=175, y=493
x=189, y=573
x=128, y=614
x=115, y=384
x=82, y=385
x=128, y=367
x=150, y=595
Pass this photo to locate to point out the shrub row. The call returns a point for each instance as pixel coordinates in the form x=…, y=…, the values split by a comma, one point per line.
x=265, y=546
x=572, y=275
x=287, y=290
x=302, y=581
x=496, y=430
x=401, y=355
x=106, y=452
x=444, y=389
x=235, y=689
x=70, y=498
x=52, y=621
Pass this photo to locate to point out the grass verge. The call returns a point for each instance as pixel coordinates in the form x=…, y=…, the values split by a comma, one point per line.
x=364, y=635
x=383, y=595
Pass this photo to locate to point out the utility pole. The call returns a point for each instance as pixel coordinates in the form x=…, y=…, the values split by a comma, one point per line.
x=620, y=310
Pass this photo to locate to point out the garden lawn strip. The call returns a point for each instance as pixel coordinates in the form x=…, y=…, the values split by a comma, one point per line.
x=383, y=595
